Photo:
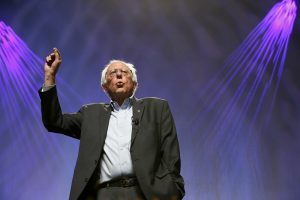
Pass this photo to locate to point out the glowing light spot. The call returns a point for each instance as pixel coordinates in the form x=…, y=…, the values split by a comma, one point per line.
x=252, y=73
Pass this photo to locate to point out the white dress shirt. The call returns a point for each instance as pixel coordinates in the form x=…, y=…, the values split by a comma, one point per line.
x=116, y=160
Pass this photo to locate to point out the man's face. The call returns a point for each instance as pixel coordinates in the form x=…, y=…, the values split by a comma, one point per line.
x=119, y=82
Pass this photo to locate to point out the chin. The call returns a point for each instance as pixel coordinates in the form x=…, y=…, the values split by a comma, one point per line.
x=120, y=91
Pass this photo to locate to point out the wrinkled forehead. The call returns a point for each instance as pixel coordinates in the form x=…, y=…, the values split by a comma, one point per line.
x=117, y=65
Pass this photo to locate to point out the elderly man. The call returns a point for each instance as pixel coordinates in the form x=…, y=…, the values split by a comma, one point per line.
x=128, y=147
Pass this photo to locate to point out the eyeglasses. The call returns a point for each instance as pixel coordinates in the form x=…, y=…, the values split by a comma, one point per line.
x=115, y=72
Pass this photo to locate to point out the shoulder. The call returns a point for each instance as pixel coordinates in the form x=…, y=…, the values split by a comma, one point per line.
x=153, y=99
x=95, y=106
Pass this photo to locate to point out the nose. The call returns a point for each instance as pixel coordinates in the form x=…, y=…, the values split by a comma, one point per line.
x=119, y=74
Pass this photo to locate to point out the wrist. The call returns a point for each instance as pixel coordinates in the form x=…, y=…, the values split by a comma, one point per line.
x=49, y=80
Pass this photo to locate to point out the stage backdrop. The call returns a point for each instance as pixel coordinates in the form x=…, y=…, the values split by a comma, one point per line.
x=180, y=49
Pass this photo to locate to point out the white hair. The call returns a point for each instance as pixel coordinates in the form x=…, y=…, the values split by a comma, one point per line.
x=129, y=65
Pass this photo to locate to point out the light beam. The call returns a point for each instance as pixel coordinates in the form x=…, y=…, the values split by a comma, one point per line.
x=238, y=104
x=28, y=149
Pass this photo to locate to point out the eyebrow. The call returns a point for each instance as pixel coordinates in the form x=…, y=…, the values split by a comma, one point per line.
x=128, y=70
x=119, y=69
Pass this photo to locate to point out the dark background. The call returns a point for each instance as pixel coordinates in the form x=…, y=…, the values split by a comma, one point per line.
x=177, y=47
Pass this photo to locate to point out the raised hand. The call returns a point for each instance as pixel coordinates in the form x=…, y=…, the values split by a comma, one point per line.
x=51, y=67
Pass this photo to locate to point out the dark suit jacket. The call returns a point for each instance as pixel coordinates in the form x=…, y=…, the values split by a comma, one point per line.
x=154, y=145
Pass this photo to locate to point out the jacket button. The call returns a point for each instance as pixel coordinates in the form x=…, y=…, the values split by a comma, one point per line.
x=86, y=179
x=96, y=162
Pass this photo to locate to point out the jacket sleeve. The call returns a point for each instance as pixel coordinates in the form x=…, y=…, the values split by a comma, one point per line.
x=170, y=148
x=53, y=118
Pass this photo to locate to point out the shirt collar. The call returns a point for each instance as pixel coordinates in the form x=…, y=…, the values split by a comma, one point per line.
x=126, y=104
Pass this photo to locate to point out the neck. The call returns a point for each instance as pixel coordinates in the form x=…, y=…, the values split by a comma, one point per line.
x=120, y=98
x=120, y=101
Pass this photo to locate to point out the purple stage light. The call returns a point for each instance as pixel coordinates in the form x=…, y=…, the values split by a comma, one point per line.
x=249, y=80
x=28, y=149
x=239, y=101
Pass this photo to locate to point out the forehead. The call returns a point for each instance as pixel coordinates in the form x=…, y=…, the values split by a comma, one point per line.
x=117, y=65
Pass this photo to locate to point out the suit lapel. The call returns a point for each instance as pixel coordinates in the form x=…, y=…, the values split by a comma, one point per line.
x=103, y=125
x=137, y=113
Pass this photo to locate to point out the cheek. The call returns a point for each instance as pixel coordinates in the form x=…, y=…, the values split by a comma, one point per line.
x=109, y=85
x=130, y=84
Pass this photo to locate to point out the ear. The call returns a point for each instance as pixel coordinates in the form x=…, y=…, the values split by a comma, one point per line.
x=104, y=88
x=135, y=87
